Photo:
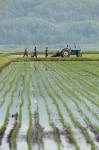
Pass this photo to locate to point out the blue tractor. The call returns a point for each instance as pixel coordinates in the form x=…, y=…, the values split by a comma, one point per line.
x=66, y=52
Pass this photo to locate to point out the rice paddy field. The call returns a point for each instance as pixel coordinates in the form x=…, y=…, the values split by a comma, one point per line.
x=49, y=105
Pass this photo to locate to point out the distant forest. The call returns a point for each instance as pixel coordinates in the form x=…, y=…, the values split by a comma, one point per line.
x=49, y=22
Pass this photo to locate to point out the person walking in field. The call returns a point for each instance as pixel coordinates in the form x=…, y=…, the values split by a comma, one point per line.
x=34, y=53
x=25, y=52
x=46, y=52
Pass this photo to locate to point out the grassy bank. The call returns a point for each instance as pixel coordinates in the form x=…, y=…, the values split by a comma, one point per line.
x=5, y=60
x=41, y=57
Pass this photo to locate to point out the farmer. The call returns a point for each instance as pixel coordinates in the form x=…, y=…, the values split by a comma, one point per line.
x=34, y=53
x=46, y=52
x=25, y=52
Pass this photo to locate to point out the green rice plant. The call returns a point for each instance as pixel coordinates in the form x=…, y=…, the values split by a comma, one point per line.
x=67, y=90
x=29, y=133
x=6, y=73
x=79, y=91
x=76, y=123
x=5, y=60
x=56, y=136
x=7, y=90
x=38, y=130
x=10, y=85
x=85, y=81
x=86, y=134
x=54, y=128
x=18, y=122
x=4, y=126
x=7, y=79
x=71, y=136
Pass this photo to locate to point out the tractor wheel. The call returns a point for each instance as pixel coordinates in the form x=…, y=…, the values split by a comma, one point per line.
x=65, y=53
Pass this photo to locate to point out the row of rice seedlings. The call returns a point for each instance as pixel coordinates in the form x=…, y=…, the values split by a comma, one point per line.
x=19, y=118
x=73, y=118
x=55, y=131
x=89, y=66
x=77, y=71
x=92, y=70
x=78, y=99
x=9, y=136
x=85, y=104
x=94, y=65
x=89, y=83
x=79, y=91
x=29, y=132
x=38, y=130
x=18, y=124
x=17, y=128
x=7, y=79
x=86, y=82
x=5, y=73
x=64, y=86
x=93, y=128
x=75, y=85
x=4, y=126
x=66, y=91
x=70, y=132
x=81, y=100
x=7, y=91
x=76, y=123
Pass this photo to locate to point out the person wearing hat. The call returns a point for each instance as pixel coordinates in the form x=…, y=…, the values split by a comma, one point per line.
x=25, y=52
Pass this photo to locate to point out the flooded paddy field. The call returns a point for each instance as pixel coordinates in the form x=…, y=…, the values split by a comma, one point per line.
x=49, y=106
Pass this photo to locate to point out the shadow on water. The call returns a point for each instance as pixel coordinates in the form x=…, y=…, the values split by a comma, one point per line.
x=39, y=136
x=37, y=132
